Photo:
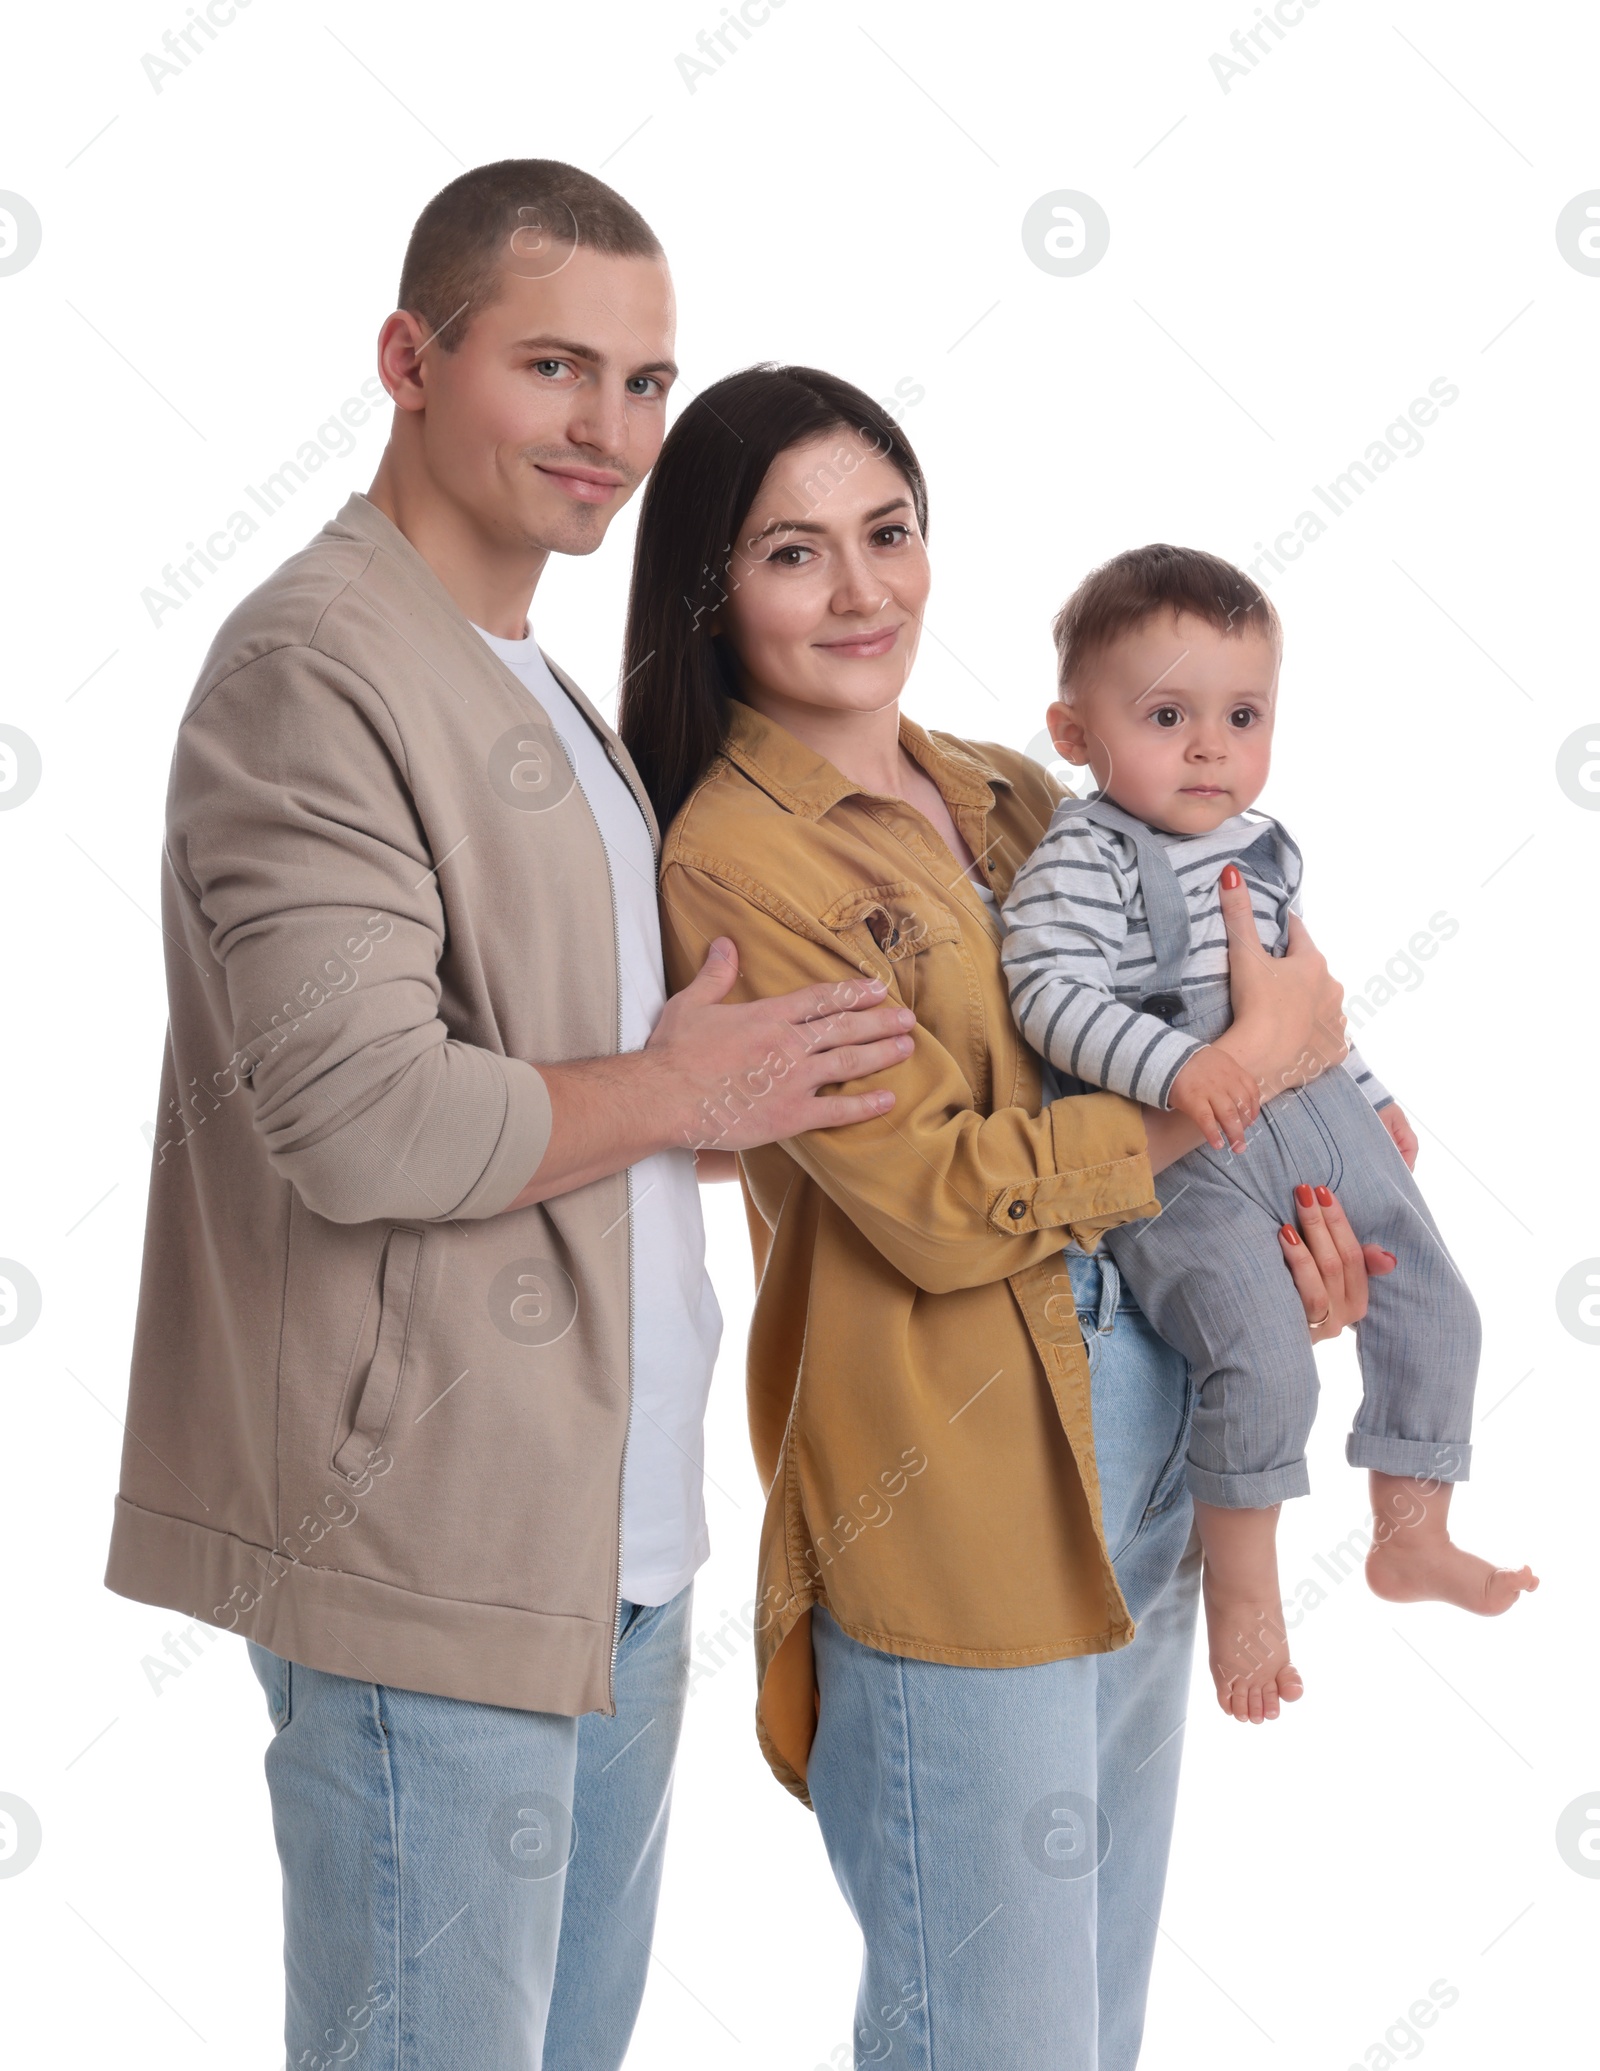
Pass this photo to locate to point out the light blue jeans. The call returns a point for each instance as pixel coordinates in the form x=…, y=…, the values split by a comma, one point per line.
x=467, y=1887
x=1001, y=1834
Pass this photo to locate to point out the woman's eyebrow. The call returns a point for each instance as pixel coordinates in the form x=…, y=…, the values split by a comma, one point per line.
x=899, y=503
x=782, y=525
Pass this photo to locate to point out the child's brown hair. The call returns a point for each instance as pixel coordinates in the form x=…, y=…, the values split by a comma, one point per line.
x=1122, y=593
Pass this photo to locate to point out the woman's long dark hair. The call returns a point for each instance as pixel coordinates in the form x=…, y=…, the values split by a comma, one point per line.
x=677, y=675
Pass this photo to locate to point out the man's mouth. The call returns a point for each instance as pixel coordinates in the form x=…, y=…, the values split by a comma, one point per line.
x=584, y=484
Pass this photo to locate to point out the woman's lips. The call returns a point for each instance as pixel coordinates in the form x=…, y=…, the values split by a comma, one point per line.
x=586, y=485
x=862, y=646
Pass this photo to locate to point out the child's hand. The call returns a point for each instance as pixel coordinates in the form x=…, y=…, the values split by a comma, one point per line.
x=1405, y=1141
x=1216, y=1091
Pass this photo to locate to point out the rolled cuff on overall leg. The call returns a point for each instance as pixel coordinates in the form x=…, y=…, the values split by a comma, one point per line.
x=1250, y=1491
x=1423, y=1459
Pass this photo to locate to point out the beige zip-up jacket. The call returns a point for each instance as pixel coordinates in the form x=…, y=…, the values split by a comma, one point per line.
x=374, y=1422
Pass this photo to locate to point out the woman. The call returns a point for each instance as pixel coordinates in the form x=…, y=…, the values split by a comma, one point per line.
x=968, y=1507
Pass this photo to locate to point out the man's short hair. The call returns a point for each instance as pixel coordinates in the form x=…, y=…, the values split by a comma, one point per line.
x=463, y=243
x=1123, y=593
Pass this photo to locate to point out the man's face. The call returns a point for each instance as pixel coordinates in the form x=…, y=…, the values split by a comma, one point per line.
x=551, y=410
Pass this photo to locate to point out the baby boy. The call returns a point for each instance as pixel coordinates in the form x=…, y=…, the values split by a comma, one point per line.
x=1117, y=960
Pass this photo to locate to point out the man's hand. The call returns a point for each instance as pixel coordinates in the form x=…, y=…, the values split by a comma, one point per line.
x=719, y=1078
x=742, y=1076
x=1216, y=1092
x=1405, y=1139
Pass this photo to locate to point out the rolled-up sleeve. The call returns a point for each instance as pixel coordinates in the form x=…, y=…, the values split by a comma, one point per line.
x=291, y=822
x=950, y=1197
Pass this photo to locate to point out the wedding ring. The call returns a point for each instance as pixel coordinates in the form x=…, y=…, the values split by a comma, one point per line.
x=1318, y=1321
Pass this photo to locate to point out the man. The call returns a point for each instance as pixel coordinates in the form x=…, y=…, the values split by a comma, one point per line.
x=424, y=1331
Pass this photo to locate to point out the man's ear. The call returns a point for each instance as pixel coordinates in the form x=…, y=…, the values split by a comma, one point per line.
x=1067, y=733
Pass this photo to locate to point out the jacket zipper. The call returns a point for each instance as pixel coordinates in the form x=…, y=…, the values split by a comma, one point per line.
x=616, y=954
x=627, y=1429
x=627, y=1433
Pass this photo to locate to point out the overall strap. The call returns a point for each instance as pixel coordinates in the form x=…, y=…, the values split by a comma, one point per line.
x=1166, y=908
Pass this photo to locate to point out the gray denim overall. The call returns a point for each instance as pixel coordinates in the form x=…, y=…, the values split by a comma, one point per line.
x=1209, y=1272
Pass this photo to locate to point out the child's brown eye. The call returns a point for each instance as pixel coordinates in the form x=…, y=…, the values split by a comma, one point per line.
x=1167, y=716
x=1242, y=718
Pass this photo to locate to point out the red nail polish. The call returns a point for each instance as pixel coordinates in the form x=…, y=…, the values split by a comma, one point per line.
x=1324, y=1197
x=1231, y=878
x=1288, y=1235
x=1303, y=1196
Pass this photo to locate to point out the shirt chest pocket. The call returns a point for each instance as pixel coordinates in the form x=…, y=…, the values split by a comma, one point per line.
x=890, y=931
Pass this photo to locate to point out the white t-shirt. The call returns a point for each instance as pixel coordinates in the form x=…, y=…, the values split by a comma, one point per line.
x=676, y=1322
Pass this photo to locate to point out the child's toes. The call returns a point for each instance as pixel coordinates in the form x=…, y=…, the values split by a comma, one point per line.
x=1290, y=1685
x=1505, y=1585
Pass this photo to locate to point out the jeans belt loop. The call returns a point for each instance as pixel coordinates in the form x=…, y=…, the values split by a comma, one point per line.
x=1110, y=1291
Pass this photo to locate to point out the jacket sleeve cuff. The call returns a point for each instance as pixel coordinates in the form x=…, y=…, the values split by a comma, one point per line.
x=1102, y=1176
x=524, y=1135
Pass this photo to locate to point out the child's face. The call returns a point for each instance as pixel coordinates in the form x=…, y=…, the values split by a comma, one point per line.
x=1175, y=721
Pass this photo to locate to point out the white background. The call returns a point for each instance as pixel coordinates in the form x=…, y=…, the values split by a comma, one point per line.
x=1292, y=261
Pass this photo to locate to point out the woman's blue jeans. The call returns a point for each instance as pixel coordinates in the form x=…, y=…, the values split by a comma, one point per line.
x=1001, y=1834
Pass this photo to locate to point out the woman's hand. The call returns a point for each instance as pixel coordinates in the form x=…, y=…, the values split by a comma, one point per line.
x=1330, y=1268
x=1288, y=1014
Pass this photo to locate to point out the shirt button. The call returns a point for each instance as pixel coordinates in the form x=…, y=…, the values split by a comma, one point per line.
x=1017, y=1210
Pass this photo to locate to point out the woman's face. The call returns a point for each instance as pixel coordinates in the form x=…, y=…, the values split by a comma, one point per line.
x=828, y=580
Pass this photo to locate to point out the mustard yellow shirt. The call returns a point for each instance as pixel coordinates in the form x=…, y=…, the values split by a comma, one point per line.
x=918, y=1389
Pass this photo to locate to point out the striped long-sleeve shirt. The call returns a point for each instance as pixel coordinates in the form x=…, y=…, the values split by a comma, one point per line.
x=1078, y=955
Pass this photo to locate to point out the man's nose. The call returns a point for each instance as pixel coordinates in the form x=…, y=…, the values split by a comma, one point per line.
x=599, y=420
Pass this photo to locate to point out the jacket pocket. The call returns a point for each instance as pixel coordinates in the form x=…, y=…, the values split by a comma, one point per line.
x=899, y=922
x=380, y=1389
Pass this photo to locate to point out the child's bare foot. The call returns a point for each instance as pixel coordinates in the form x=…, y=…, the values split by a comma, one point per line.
x=1250, y=1662
x=1249, y=1644
x=1414, y=1559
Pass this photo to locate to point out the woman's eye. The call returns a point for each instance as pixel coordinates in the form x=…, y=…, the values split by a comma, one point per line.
x=891, y=535
x=789, y=557
x=1167, y=716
